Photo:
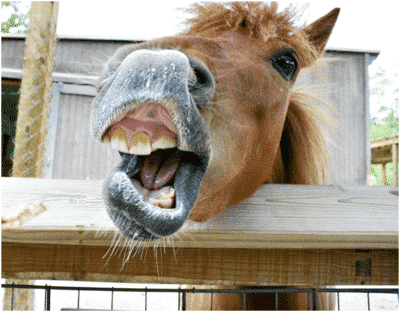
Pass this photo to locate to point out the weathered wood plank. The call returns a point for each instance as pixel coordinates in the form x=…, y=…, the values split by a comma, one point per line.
x=75, y=83
x=274, y=267
x=277, y=216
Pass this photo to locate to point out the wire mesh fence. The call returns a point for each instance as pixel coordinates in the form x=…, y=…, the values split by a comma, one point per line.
x=180, y=295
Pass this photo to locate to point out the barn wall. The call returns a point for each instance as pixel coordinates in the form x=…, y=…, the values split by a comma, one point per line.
x=343, y=85
x=76, y=154
x=73, y=56
x=72, y=153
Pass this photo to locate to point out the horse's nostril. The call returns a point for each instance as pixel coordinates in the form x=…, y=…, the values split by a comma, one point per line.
x=201, y=77
x=201, y=83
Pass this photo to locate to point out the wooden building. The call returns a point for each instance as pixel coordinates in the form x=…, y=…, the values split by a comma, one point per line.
x=72, y=153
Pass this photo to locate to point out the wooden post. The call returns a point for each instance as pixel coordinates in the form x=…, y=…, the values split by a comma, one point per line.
x=384, y=182
x=35, y=90
x=23, y=299
x=33, y=114
x=395, y=158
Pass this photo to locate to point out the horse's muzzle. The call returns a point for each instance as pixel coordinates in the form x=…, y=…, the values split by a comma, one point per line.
x=150, y=110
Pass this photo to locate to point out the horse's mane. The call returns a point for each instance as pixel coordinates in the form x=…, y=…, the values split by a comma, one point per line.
x=304, y=142
x=255, y=19
x=304, y=139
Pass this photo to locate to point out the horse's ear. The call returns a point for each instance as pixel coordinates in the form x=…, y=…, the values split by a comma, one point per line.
x=321, y=29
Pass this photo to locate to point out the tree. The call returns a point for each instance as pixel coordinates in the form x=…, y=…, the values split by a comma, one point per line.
x=18, y=17
x=386, y=127
x=384, y=102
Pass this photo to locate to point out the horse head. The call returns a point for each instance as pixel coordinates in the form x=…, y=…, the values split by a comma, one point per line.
x=203, y=119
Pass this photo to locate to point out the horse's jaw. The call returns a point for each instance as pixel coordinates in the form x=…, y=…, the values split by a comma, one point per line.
x=136, y=215
x=151, y=193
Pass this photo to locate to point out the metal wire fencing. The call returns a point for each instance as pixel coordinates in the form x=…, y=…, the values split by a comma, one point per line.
x=181, y=296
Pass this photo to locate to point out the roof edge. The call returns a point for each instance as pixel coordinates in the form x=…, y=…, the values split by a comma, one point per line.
x=138, y=39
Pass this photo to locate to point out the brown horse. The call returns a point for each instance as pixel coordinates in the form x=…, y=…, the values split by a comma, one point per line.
x=203, y=119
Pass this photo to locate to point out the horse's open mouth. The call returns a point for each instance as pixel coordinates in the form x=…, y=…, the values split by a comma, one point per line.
x=151, y=193
x=149, y=131
x=148, y=112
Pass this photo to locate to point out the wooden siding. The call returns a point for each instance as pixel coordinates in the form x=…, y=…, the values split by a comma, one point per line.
x=77, y=155
x=343, y=86
x=74, y=154
x=73, y=56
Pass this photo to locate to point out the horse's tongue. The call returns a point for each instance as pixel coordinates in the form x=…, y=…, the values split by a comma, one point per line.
x=159, y=168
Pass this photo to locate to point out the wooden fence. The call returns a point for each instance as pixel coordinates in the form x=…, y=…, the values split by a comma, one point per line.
x=283, y=235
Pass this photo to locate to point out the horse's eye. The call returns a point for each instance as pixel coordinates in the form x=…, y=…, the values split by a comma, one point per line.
x=285, y=63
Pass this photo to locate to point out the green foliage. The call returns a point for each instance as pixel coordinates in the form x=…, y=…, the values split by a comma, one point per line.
x=17, y=20
x=384, y=93
x=387, y=127
x=377, y=172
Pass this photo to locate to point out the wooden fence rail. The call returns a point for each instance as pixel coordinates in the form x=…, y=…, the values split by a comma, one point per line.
x=282, y=235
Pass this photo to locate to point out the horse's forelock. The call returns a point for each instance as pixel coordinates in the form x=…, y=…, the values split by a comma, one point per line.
x=255, y=19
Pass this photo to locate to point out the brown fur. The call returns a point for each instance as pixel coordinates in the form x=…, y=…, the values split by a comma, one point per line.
x=300, y=155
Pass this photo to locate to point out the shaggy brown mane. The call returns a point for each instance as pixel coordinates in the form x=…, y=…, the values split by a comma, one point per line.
x=304, y=140
x=255, y=19
x=304, y=149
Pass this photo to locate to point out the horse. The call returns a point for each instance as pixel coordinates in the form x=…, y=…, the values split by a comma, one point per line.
x=205, y=118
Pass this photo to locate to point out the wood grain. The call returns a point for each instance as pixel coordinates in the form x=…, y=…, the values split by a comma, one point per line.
x=276, y=216
x=283, y=235
x=213, y=266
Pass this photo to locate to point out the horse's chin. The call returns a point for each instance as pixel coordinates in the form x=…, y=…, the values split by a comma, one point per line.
x=144, y=214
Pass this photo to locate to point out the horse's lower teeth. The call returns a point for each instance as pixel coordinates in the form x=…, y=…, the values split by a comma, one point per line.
x=163, y=198
x=162, y=202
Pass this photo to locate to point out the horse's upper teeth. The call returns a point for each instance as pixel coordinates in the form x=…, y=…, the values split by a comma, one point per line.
x=140, y=143
x=163, y=142
x=118, y=141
